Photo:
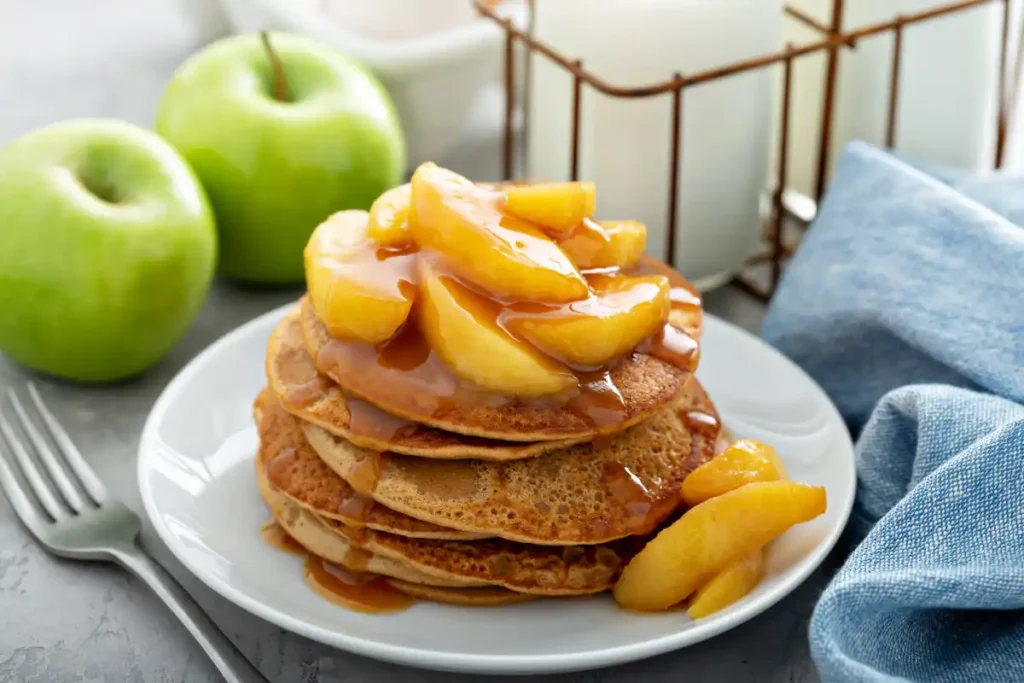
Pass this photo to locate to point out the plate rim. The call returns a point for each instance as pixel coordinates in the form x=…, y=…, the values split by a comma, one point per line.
x=426, y=658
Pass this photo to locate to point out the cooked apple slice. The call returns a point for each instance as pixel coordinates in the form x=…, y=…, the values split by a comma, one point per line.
x=356, y=294
x=711, y=536
x=554, y=206
x=728, y=585
x=388, y=225
x=741, y=463
x=461, y=326
x=604, y=244
x=507, y=256
x=621, y=313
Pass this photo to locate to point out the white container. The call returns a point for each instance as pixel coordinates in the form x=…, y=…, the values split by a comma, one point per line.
x=947, y=106
x=948, y=83
x=435, y=57
x=625, y=143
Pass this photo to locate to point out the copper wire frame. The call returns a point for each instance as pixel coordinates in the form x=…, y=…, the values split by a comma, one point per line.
x=786, y=203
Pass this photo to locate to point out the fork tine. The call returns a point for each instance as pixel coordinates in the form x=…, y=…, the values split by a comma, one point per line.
x=73, y=457
x=25, y=510
x=31, y=472
x=50, y=460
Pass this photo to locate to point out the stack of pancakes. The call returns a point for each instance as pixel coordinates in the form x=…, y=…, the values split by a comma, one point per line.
x=371, y=466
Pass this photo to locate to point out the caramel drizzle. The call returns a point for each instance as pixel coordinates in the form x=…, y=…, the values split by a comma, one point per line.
x=354, y=590
x=415, y=376
x=644, y=509
x=352, y=587
x=276, y=537
x=705, y=428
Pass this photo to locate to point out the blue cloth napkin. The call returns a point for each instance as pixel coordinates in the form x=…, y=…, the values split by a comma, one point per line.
x=906, y=303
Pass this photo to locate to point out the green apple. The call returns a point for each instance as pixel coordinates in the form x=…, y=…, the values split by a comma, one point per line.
x=275, y=161
x=107, y=249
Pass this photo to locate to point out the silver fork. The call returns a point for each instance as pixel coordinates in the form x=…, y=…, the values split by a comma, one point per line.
x=76, y=518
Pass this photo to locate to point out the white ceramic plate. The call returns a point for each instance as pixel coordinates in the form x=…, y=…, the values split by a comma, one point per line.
x=199, y=488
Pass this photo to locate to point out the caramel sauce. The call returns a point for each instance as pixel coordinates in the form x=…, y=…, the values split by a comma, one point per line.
x=705, y=428
x=644, y=510
x=357, y=561
x=276, y=537
x=356, y=507
x=390, y=273
x=350, y=587
x=599, y=401
x=367, y=420
x=365, y=471
x=674, y=347
x=406, y=373
x=586, y=239
x=359, y=592
x=302, y=395
x=280, y=463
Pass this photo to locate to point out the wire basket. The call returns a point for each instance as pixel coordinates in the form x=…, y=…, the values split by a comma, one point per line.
x=788, y=207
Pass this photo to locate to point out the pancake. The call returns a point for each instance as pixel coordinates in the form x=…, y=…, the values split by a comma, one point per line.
x=293, y=376
x=489, y=596
x=590, y=493
x=316, y=537
x=415, y=384
x=313, y=534
x=537, y=570
x=294, y=467
x=533, y=569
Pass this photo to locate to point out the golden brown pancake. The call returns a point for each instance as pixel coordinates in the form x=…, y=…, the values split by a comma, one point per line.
x=488, y=596
x=317, y=537
x=590, y=493
x=313, y=534
x=417, y=385
x=294, y=467
x=540, y=570
x=293, y=376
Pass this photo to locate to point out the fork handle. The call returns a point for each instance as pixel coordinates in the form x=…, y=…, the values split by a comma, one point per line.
x=230, y=662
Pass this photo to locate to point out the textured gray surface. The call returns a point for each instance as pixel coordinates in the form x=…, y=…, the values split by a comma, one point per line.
x=77, y=622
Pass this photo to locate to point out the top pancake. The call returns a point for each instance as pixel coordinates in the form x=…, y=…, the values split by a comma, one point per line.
x=590, y=493
x=431, y=395
x=293, y=377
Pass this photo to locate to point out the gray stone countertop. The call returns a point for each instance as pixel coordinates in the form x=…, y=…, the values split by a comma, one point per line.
x=79, y=622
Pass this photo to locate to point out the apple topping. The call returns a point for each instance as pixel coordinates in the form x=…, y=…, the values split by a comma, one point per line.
x=517, y=290
x=556, y=207
x=619, y=314
x=507, y=256
x=359, y=289
x=388, y=223
x=462, y=327
x=604, y=244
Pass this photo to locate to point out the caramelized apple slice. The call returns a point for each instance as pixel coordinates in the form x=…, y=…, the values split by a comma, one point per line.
x=461, y=327
x=506, y=256
x=388, y=225
x=728, y=585
x=621, y=313
x=604, y=244
x=710, y=537
x=555, y=206
x=741, y=463
x=356, y=293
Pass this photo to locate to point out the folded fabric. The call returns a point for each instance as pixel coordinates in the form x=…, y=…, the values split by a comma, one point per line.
x=906, y=303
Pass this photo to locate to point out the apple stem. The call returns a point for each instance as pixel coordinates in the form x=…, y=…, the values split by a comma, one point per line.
x=281, y=90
